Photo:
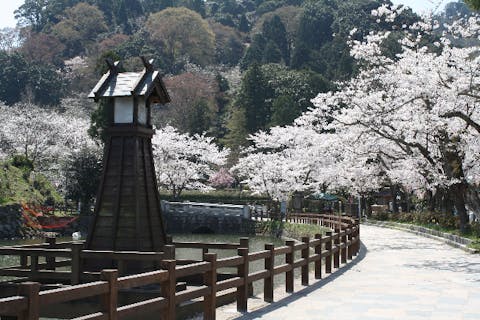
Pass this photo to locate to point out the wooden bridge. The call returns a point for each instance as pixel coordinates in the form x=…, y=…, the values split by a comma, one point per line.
x=43, y=263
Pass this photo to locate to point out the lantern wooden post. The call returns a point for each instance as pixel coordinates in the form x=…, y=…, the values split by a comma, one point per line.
x=127, y=212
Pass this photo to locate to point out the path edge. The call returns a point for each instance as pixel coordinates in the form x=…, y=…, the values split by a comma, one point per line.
x=450, y=239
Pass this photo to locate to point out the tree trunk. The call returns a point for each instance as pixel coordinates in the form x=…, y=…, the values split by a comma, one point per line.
x=393, y=192
x=458, y=192
x=453, y=167
x=430, y=199
x=473, y=199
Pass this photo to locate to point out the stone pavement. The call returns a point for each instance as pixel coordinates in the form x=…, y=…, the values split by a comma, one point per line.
x=398, y=275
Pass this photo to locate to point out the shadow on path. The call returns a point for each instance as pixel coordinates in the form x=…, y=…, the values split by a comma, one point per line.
x=305, y=291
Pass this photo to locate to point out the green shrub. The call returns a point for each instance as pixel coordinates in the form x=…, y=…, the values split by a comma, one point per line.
x=405, y=217
x=429, y=219
x=475, y=227
x=291, y=230
x=443, y=220
x=22, y=162
x=380, y=215
x=18, y=185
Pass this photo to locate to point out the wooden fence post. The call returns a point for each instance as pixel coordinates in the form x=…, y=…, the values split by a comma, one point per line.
x=328, y=258
x=169, y=251
x=336, y=254
x=76, y=263
x=270, y=266
x=350, y=240
x=30, y=290
x=289, y=259
x=24, y=260
x=318, y=253
x=344, y=245
x=121, y=267
x=51, y=260
x=210, y=300
x=109, y=301
x=168, y=289
x=244, y=242
x=242, y=272
x=357, y=235
x=306, y=257
x=33, y=265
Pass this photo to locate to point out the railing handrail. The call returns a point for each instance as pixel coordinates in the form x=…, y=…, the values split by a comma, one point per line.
x=339, y=247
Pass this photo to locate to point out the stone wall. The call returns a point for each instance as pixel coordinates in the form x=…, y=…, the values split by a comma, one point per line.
x=12, y=225
x=193, y=217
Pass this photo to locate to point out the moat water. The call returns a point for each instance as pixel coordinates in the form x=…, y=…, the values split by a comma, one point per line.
x=256, y=243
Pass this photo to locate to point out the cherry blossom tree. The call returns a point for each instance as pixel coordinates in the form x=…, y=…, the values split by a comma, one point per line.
x=410, y=120
x=421, y=108
x=185, y=162
x=44, y=136
x=221, y=179
x=303, y=158
x=285, y=160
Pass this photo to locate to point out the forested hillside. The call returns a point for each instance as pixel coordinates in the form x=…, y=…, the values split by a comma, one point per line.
x=232, y=67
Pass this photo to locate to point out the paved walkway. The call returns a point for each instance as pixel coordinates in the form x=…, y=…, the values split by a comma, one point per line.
x=397, y=276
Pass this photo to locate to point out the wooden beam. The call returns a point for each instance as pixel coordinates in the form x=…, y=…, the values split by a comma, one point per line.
x=157, y=195
x=155, y=246
x=118, y=198
x=148, y=64
x=99, y=198
x=138, y=229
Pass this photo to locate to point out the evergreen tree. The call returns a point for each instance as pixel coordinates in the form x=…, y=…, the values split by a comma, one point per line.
x=272, y=53
x=274, y=30
x=236, y=130
x=284, y=111
x=314, y=31
x=301, y=55
x=194, y=5
x=82, y=172
x=243, y=25
x=151, y=6
x=254, y=98
x=39, y=83
x=254, y=53
x=14, y=76
x=199, y=120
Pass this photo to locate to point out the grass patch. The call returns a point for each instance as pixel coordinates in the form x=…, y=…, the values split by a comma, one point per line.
x=471, y=234
x=475, y=245
x=290, y=230
x=20, y=184
x=428, y=222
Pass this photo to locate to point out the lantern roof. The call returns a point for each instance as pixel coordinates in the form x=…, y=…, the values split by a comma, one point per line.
x=124, y=84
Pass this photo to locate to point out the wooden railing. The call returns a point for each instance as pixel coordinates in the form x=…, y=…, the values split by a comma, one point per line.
x=72, y=255
x=336, y=247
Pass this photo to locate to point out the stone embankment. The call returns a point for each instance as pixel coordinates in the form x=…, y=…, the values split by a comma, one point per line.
x=13, y=225
x=195, y=217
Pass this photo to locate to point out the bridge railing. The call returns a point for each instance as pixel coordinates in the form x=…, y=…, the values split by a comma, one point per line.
x=325, y=252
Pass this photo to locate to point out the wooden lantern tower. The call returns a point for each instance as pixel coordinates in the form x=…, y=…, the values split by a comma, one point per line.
x=127, y=214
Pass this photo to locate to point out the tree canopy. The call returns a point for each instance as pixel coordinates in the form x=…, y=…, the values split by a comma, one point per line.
x=182, y=33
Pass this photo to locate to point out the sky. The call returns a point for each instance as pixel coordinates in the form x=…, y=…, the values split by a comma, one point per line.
x=7, y=17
